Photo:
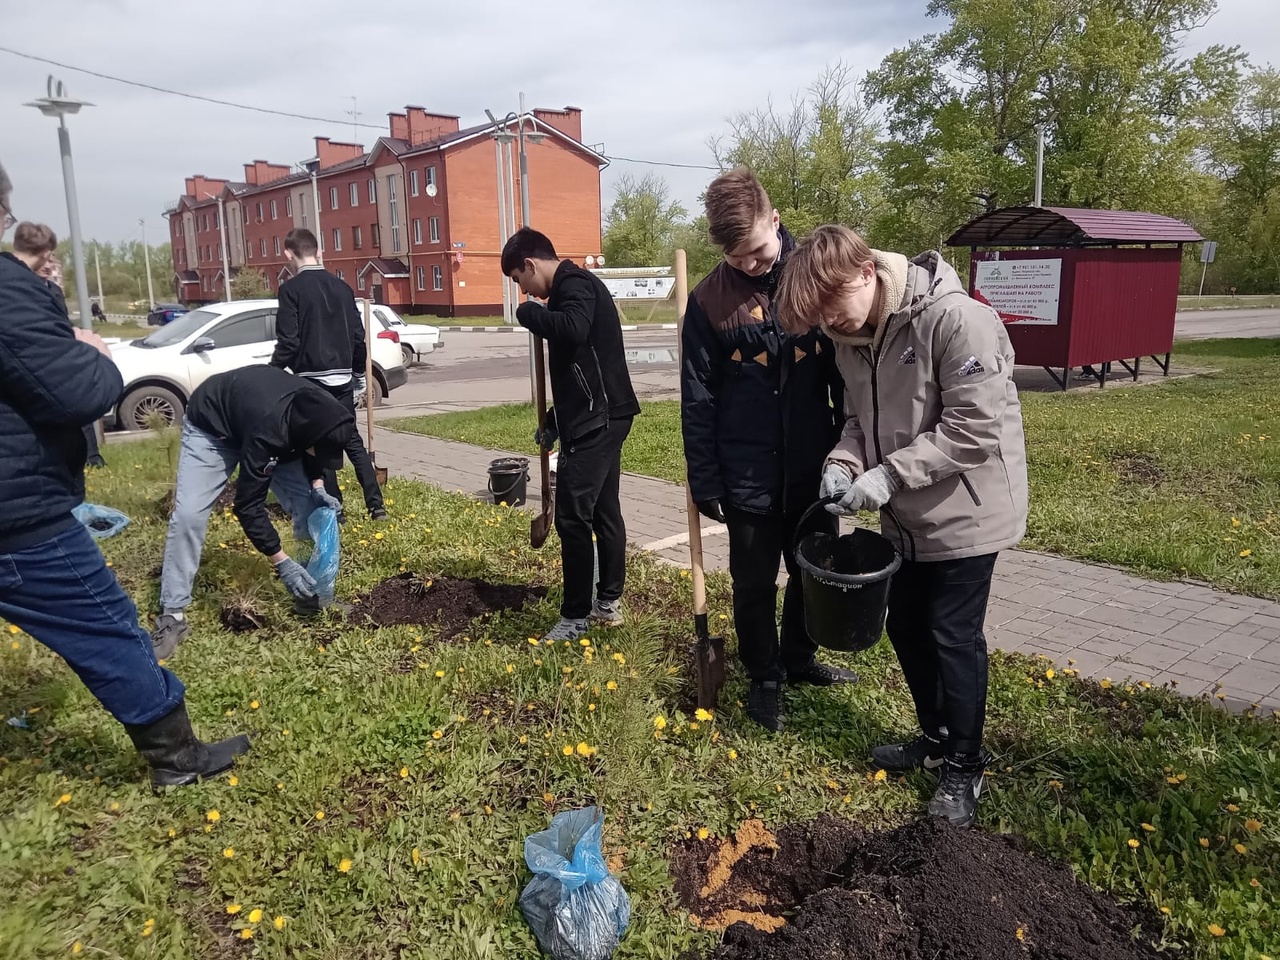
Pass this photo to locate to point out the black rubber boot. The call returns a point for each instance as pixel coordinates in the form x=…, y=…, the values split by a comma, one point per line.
x=176, y=755
x=764, y=705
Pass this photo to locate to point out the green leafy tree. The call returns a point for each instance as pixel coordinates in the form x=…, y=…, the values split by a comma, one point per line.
x=249, y=283
x=641, y=225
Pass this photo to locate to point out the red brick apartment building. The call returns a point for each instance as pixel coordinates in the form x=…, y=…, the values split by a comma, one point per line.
x=413, y=222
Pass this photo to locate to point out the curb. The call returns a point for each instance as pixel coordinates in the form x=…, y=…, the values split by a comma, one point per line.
x=627, y=328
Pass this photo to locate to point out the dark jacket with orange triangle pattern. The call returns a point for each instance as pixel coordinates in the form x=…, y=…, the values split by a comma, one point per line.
x=760, y=408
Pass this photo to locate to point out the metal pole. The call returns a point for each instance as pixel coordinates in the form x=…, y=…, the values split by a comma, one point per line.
x=73, y=214
x=146, y=259
x=315, y=202
x=534, y=345
x=1039, y=165
x=97, y=268
x=222, y=241
x=1204, y=268
x=502, y=225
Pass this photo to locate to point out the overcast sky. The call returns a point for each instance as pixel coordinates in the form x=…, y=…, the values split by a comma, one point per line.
x=655, y=79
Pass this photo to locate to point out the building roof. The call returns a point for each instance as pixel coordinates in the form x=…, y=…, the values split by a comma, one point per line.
x=188, y=276
x=387, y=266
x=1069, y=227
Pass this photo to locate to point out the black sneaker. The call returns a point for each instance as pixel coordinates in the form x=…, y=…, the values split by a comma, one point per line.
x=821, y=675
x=956, y=799
x=764, y=705
x=379, y=513
x=924, y=752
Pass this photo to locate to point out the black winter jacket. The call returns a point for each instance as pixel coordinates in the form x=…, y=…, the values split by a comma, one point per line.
x=319, y=330
x=590, y=383
x=272, y=417
x=51, y=386
x=760, y=409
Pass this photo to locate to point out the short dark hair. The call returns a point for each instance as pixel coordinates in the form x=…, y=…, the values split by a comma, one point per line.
x=736, y=202
x=526, y=244
x=301, y=242
x=34, y=238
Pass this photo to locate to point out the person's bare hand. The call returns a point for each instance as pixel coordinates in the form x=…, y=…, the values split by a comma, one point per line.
x=91, y=338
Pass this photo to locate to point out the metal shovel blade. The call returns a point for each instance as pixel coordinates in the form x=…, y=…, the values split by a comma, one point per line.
x=540, y=528
x=708, y=662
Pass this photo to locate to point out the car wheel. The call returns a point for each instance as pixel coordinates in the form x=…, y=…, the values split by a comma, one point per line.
x=149, y=408
x=410, y=357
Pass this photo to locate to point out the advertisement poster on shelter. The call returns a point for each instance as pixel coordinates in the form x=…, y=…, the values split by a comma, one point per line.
x=1021, y=291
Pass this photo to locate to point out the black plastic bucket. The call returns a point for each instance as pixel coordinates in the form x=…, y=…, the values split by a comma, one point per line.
x=509, y=480
x=846, y=585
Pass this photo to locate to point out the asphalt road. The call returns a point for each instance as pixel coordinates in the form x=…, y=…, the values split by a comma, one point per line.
x=1228, y=323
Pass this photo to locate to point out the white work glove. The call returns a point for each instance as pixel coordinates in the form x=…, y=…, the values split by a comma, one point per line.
x=871, y=491
x=837, y=478
x=359, y=384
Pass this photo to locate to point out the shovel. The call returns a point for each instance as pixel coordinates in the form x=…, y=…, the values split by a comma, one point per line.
x=370, y=384
x=708, y=651
x=540, y=529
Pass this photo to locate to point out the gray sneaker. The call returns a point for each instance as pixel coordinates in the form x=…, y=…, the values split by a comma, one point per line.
x=607, y=613
x=567, y=630
x=169, y=632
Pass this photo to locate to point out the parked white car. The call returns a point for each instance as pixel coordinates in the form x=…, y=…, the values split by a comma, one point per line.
x=417, y=340
x=163, y=369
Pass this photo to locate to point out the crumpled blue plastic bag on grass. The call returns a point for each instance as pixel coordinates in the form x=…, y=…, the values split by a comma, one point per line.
x=326, y=550
x=575, y=907
x=101, y=522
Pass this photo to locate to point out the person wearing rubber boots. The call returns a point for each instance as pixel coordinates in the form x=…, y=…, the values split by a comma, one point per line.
x=283, y=432
x=933, y=439
x=54, y=582
x=759, y=410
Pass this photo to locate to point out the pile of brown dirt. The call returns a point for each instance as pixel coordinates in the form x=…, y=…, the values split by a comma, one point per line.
x=826, y=889
x=442, y=602
x=241, y=616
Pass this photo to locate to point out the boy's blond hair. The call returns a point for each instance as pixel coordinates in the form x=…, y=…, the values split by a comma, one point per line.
x=816, y=272
x=736, y=202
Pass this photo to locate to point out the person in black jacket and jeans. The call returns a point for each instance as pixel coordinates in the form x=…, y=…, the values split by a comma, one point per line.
x=759, y=411
x=54, y=583
x=594, y=408
x=320, y=336
x=283, y=432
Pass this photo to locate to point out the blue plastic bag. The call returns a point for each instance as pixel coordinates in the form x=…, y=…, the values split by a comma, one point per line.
x=101, y=522
x=323, y=565
x=575, y=907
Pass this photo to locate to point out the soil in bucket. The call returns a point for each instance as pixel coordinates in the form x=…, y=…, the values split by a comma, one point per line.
x=825, y=888
x=509, y=481
x=449, y=604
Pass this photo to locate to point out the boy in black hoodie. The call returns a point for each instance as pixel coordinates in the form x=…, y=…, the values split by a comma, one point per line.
x=594, y=407
x=283, y=432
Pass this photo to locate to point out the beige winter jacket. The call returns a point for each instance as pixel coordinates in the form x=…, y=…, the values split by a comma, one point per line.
x=932, y=396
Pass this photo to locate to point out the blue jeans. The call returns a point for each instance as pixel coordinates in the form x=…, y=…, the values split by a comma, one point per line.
x=205, y=464
x=61, y=592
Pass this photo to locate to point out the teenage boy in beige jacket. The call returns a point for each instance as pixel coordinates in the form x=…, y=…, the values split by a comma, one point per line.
x=933, y=437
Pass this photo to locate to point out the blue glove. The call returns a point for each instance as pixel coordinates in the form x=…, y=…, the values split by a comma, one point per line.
x=871, y=491
x=321, y=497
x=296, y=579
x=546, y=437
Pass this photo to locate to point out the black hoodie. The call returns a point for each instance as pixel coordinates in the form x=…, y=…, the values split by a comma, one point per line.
x=271, y=417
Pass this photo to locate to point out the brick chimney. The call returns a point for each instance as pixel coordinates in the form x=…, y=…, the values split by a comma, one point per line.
x=425, y=127
x=260, y=172
x=399, y=126
x=333, y=152
x=568, y=121
x=201, y=187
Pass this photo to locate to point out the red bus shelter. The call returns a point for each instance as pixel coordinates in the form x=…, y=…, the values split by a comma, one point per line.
x=1079, y=287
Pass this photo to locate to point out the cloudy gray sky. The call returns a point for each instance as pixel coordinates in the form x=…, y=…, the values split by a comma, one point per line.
x=655, y=78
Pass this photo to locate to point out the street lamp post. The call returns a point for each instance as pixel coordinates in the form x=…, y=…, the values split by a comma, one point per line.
x=146, y=260
x=58, y=103
x=222, y=241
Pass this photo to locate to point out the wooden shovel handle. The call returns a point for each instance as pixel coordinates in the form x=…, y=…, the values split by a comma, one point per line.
x=695, y=523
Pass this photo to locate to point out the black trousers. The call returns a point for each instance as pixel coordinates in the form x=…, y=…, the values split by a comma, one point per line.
x=588, y=473
x=936, y=615
x=356, y=453
x=757, y=544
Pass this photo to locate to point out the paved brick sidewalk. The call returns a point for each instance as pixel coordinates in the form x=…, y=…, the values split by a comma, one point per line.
x=1111, y=623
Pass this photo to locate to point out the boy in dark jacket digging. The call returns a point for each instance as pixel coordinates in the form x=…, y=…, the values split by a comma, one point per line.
x=594, y=408
x=54, y=583
x=759, y=411
x=934, y=439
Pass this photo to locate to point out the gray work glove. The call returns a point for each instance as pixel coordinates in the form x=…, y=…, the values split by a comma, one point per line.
x=296, y=579
x=321, y=497
x=871, y=491
x=359, y=384
x=836, y=481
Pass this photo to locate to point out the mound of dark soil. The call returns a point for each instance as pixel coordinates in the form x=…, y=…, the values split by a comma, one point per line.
x=241, y=617
x=826, y=889
x=442, y=602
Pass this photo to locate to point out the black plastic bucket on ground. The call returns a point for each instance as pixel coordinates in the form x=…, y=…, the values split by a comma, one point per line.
x=846, y=585
x=509, y=480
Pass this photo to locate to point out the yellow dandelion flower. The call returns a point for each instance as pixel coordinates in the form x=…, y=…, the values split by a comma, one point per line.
x=13, y=629
x=213, y=816
x=880, y=776
x=437, y=734
x=733, y=754
x=611, y=685
x=567, y=750
x=1049, y=674
x=404, y=772
x=511, y=668
x=533, y=641
x=278, y=923
x=319, y=814
x=344, y=865
x=1204, y=842
x=1232, y=808
x=1021, y=934
x=1252, y=825
x=416, y=856
x=523, y=739
x=172, y=834
x=703, y=833
x=585, y=750
x=1056, y=784
x=1149, y=828
x=228, y=852
x=233, y=780
x=255, y=915
x=548, y=798
x=1216, y=930
x=77, y=948
x=620, y=659
x=1134, y=844
x=233, y=908
x=378, y=536
x=253, y=704
x=1105, y=683
x=1166, y=911
x=660, y=722
x=1255, y=883
x=63, y=800
x=1241, y=849
x=246, y=934
x=703, y=715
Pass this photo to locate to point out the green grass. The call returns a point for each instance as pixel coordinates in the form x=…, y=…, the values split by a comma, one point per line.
x=1259, y=302
x=430, y=768
x=128, y=331
x=1179, y=479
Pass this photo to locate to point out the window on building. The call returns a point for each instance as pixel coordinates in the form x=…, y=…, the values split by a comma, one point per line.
x=288, y=205
x=217, y=219
x=337, y=240
x=373, y=190
x=374, y=237
x=340, y=275
x=356, y=238
x=413, y=183
x=437, y=277
x=435, y=229
x=431, y=176
x=303, y=200
x=259, y=212
x=262, y=246
x=360, y=281
x=392, y=202
x=333, y=198
x=417, y=232
x=273, y=211
x=422, y=278
x=354, y=194
x=277, y=246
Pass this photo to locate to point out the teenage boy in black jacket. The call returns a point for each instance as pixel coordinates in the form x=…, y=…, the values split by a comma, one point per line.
x=760, y=409
x=320, y=336
x=283, y=432
x=54, y=582
x=594, y=407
